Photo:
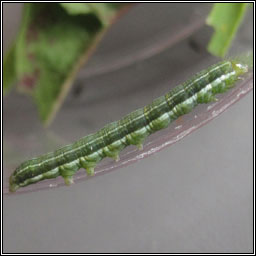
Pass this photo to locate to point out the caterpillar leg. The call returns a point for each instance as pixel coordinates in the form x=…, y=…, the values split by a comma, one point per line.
x=117, y=158
x=112, y=153
x=68, y=180
x=90, y=171
x=138, y=137
x=88, y=166
x=114, y=149
x=67, y=171
x=140, y=146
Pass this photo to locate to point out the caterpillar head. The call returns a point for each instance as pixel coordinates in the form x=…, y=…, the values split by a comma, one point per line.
x=239, y=68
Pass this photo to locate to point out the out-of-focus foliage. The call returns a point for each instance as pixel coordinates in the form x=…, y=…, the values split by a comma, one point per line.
x=54, y=40
x=9, y=74
x=225, y=18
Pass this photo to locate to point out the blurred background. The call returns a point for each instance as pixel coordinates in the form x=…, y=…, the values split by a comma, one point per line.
x=193, y=197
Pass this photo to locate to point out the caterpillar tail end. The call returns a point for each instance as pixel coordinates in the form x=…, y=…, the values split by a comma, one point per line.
x=13, y=188
x=12, y=185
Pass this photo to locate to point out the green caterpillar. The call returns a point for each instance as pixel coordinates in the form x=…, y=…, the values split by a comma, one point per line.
x=130, y=130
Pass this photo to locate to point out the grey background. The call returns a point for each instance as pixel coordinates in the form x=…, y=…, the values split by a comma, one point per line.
x=193, y=197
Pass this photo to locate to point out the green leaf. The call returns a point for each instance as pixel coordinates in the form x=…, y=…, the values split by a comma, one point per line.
x=225, y=18
x=9, y=73
x=76, y=8
x=102, y=10
x=51, y=47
